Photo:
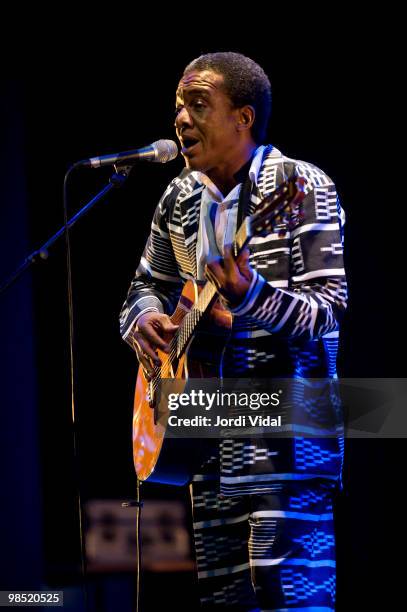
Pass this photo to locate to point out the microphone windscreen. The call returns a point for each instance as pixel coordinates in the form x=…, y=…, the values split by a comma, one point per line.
x=165, y=151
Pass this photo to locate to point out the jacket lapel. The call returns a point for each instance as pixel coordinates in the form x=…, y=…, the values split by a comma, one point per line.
x=186, y=220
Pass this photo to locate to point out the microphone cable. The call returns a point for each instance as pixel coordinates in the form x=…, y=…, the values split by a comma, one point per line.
x=76, y=454
x=138, y=504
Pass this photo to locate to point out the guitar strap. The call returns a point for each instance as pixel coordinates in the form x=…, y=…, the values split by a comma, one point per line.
x=244, y=199
x=246, y=190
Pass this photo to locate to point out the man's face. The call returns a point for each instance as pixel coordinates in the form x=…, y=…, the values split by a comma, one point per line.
x=205, y=121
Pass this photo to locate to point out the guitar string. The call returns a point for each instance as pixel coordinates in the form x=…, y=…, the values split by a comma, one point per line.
x=174, y=341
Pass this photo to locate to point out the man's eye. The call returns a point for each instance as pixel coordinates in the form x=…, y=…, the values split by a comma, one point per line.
x=197, y=105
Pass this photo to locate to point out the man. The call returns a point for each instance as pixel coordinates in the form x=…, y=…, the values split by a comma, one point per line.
x=263, y=509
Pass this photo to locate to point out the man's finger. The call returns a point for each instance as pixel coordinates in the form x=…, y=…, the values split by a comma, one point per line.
x=243, y=264
x=168, y=326
x=229, y=261
x=214, y=267
x=212, y=277
x=153, y=338
x=146, y=351
x=147, y=368
x=243, y=256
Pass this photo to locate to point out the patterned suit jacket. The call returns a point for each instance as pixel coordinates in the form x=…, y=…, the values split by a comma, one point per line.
x=287, y=326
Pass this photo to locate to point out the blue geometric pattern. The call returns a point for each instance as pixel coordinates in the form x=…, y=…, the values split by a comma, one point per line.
x=317, y=542
x=298, y=588
x=308, y=499
x=248, y=554
x=308, y=455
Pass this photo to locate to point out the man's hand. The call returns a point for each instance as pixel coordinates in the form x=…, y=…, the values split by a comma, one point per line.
x=154, y=330
x=231, y=277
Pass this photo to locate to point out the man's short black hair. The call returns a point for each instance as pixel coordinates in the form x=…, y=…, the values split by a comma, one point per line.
x=245, y=82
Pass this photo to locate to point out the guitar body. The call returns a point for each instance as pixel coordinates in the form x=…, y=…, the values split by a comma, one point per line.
x=174, y=460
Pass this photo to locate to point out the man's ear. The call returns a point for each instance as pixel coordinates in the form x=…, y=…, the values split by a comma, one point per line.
x=246, y=117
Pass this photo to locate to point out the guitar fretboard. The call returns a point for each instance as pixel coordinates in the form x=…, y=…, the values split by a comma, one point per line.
x=208, y=292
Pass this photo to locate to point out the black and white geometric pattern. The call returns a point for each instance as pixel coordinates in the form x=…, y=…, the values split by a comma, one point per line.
x=296, y=256
x=288, y=325
x=326, y=204
x=237, y=454
x=267, y=180
x=336, y=248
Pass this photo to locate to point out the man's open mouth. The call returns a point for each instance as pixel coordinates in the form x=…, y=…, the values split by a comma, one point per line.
x=188, y=144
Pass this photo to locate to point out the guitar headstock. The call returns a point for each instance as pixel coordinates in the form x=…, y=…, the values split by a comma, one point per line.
x=281, y=210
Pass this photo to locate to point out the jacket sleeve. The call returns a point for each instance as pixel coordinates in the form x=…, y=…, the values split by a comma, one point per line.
x=157, y=284
x=315, y=299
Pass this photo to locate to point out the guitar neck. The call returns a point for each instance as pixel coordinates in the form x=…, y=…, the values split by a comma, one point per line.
x=208, y=292
x=207, y=295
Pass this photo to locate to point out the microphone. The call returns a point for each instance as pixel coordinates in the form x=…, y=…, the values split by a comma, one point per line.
x=160, y=151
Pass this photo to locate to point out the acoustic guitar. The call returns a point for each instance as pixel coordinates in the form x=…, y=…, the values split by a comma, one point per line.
x=196, y=351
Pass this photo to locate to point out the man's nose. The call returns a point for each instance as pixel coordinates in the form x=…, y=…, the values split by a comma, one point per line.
x=183, y=119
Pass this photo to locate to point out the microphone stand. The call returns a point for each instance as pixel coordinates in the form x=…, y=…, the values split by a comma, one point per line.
x=117, y=180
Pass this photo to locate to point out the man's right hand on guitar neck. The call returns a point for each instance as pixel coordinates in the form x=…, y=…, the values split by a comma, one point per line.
x=154, y=330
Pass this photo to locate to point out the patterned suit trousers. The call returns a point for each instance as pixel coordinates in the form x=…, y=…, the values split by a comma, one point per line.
x=264, y=552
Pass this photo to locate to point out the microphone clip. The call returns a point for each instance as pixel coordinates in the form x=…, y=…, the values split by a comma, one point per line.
x=120, y=174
